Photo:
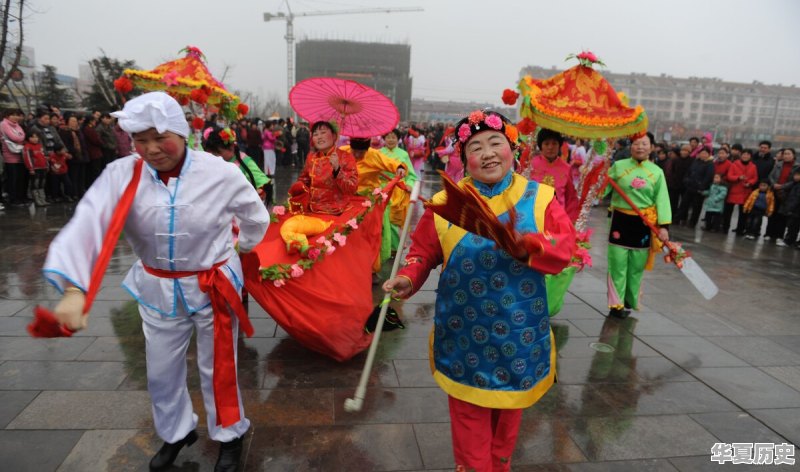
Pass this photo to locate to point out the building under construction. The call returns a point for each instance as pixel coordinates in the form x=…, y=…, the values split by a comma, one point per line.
x=384, y=67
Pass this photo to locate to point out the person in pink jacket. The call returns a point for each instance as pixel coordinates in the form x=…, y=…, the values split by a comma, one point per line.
x=13, y=140
x=742, y=178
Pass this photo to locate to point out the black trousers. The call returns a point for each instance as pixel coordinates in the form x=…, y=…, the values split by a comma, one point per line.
x=754, y=219
x=16, y=182
x=713, y=220
x=674, y=201
x=776, y=224
x=96, y=167
x=61, y=186
x=691, y=200
x=792, y=228
x=77, y=176
x=741, y=223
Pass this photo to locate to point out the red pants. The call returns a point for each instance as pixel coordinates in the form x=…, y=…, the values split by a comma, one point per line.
x=483, y=438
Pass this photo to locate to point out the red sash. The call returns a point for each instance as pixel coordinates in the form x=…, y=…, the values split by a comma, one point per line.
x=223, y=295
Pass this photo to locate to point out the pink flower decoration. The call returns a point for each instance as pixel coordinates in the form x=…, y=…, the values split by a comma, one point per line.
x=297, y=271
x=384, y=196
x=494, y=122
x=476, y=117
x=376, y=190
x=588, y=55
x=279, y=210
x=314, y=253
x=171, y=78
x=638, y=183
x=340, y=238
x=207, y=132
x=322, y=240
x=615, y=235
x=352, y=223
x=464, y=132
x=330, y=249
x=279, y=282
x=366, y=203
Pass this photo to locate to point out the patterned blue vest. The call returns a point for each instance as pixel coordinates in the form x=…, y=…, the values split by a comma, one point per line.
x=492, y=328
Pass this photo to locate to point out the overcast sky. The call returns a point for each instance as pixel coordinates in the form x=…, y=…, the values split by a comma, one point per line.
x=460, y=49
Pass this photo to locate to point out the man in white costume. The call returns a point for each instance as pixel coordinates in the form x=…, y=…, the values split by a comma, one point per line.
x=179, y=225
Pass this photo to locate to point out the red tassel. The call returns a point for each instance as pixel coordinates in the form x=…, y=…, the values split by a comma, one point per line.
x=45, y=325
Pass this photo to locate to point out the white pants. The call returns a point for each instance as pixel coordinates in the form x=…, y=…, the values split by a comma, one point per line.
x=269, y=161
x=167, y=340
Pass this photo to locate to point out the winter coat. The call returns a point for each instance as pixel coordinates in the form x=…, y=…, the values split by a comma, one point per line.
x=94, y=145
x=791, y=200
x=13, y=132
x=124, y=144
x=722, y=167
x=58, y=163
x=740, y=190
x=34, y=158
x=716, y=197
x=676, y=171
x=73, y=143
x=108, y=139
x=764, y=165
x=700, y=176
x=751, y=200
x=48, y=136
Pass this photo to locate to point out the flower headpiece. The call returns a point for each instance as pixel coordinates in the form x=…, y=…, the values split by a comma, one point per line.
x=228, y=136
x=485, y=120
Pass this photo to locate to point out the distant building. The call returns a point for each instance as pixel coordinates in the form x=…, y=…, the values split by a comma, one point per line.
x=679, y=108
x=426, y=111
x=384, y=67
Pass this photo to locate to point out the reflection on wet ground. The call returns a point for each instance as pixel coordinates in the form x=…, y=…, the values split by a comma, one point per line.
x=652, y=392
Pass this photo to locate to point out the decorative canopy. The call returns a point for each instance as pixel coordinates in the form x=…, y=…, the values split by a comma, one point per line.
x=186, y=79
x=579, y=102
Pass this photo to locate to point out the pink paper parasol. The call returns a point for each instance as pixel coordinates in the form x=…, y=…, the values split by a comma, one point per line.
x=358, y=110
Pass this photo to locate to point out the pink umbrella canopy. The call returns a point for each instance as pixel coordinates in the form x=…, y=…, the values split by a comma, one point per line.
x=358, y=110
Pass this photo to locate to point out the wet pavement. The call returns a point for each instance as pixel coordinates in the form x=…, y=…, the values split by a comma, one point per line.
x=682, y=374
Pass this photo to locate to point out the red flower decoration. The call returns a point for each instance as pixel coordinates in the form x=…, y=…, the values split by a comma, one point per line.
x=476, y=117
x=123, y=85
x=526, y=126
x=198, y=123
x=510, y=97
x=183, y=100
x=242, y=108
x=199, y=96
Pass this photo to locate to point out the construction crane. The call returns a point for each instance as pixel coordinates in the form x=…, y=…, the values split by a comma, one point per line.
x=289, y=19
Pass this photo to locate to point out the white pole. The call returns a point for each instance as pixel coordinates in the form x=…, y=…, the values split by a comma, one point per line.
x=354, y=404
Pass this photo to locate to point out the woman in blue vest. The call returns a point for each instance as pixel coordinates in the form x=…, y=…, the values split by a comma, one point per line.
x=491, y=349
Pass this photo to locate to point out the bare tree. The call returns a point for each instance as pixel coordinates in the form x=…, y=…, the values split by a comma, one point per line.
x=9, y=34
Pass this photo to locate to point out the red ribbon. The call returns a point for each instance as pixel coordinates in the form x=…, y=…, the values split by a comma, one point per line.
x=222, y=295
x=44, y=323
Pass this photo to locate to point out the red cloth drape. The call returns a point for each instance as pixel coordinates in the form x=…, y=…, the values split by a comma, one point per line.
x=326, y=308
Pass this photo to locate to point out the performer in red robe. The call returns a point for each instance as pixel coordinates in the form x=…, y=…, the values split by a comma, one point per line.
x=329, y=177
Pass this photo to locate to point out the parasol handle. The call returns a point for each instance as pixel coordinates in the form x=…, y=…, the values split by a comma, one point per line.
x=354, y=404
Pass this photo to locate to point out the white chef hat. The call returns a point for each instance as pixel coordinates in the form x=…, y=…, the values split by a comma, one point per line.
x=153, y=110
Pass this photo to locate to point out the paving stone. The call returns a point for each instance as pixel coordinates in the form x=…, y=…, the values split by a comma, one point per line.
x=86, y=410
x=39, y=375
x=749, y=387
x=39, y=451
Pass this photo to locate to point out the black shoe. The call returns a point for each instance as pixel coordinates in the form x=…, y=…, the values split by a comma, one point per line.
x=168, y=452
x=229, y=454
x=619, y=313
